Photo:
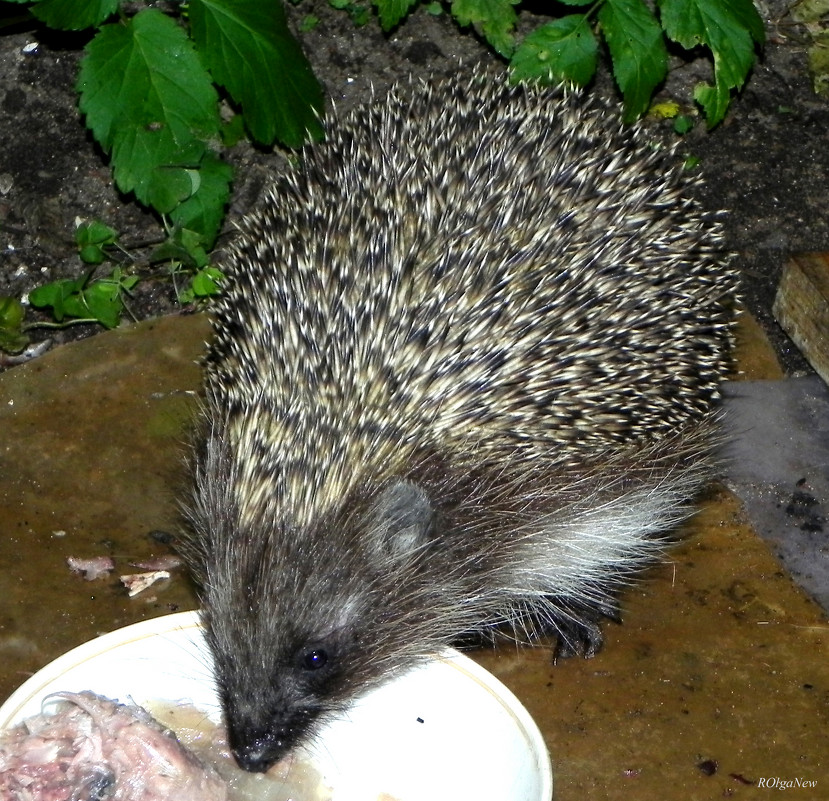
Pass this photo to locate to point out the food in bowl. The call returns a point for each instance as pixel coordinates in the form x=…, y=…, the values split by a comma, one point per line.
x=446, y=730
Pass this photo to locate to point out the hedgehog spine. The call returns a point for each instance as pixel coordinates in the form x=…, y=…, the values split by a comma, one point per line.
x=464, y=374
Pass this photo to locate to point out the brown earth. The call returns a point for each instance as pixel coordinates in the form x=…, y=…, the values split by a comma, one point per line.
x=767, y=164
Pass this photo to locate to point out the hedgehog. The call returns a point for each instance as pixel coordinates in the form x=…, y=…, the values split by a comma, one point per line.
x=463, y=379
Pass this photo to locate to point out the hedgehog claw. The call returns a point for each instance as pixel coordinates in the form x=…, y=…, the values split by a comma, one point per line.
x=580, y=634
x=583, y=639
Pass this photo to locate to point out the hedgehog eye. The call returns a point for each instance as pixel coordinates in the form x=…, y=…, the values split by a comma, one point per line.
x=316, y=659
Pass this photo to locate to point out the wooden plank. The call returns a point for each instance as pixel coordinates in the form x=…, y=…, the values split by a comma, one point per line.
x=802, y=307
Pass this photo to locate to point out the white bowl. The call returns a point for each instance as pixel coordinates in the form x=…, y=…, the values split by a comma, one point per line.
x=447, y=730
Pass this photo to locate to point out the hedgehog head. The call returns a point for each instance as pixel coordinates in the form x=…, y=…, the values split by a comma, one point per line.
x=298, y=621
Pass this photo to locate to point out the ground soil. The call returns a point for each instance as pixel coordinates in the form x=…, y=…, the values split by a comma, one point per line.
x=767, y=164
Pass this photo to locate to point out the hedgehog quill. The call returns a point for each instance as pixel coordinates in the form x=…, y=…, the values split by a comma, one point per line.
x=464, y=378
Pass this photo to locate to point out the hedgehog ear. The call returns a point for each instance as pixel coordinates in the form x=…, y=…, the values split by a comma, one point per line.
x=401, y=519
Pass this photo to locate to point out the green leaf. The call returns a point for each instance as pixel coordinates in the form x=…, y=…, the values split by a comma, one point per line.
x=150, y=103
x=683, y=124
x=81, y=298
x=494, y=19
x=92, y=254
x=562, y=50
x=249, y=50
x=392, y=11
x=13, y=341
x=12, y=337
x=810, y=10
x=204, y=210
x=101, y=300
x=233, y=131
x=74, y=15
x=730, y=29
x=58, y=295
x=637, y=47
x=206, y=282
x=182, y=247
x=714, y=100
x=94, y=234
x=11, y=313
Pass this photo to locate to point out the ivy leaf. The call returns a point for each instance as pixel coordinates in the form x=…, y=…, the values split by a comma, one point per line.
x=730, y=30
x=637, y=47
x=562, y=50
x=249, y=50
x=392, y=11
x=494, y=19
x=74, y=15
x=150, y=103
x=203, y=211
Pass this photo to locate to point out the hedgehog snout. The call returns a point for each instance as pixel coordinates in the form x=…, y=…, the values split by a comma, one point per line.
x=257, y=748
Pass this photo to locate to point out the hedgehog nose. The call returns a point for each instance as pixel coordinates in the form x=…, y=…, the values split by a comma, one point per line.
x=255, y=757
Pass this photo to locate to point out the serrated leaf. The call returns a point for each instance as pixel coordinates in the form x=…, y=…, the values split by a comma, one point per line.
x=249, y=50
x=562, y=50
x=637, y=48
x=168, y=186
x=714, y=101
x=150, y=103
x=74, y=15
x=392, y=11
x=495, y=20
x=204, y=211
x=728, y=27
